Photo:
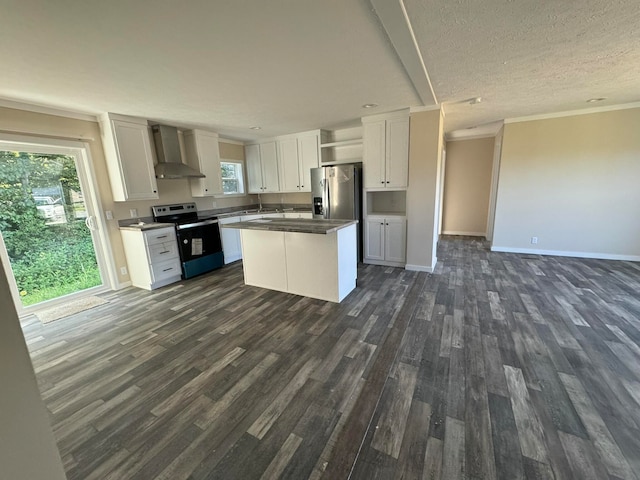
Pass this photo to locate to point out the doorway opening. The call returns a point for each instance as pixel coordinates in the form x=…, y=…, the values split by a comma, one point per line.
x=49, y=242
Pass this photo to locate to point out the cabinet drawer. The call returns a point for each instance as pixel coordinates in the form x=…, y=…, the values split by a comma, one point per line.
x=161, y=235
x=162, y=252
x=164, y=270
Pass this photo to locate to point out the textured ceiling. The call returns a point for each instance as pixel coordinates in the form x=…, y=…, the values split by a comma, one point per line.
x=527, y=57
x=292, y=65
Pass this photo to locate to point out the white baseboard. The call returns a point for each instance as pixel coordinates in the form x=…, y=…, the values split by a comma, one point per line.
x=564, y=253
x=418, y=268
x=467, y=234
x=122, y=285
x=383, y=263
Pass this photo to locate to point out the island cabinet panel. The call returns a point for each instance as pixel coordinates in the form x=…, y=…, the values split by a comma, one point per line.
x=316, y=265
x=264, y=259
x=322, y=266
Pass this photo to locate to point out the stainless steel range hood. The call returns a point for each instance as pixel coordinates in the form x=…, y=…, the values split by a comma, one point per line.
x=168, y=150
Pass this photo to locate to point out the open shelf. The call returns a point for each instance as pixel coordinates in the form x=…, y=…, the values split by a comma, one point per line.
x=386, y=203
x=342, y=143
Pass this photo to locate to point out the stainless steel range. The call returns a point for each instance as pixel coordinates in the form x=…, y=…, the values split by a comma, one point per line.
x=198, y=238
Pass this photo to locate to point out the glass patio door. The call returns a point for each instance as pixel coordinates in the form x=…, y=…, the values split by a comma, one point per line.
x=47, y=227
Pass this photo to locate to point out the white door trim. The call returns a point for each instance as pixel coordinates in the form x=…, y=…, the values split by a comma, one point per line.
x=104, y=256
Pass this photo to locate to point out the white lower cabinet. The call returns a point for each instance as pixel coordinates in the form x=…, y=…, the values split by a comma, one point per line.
x=385, y=240
x=231, y=245
x=152, y=256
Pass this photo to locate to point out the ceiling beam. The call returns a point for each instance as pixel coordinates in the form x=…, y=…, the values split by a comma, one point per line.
x=395, y=21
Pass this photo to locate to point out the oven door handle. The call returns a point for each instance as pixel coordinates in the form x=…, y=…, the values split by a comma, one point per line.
x=199, y=223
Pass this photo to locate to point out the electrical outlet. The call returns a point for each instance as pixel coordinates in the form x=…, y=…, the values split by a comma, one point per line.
x=109, y=214
x=123, y=270
x=133, y=212
x=534, y=240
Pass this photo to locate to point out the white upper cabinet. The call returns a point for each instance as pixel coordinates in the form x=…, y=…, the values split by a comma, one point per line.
x=308, y=158
x=373, y=154
x=262, y=167
x=129, y=157
x=386, y=151
x=254, y=168
x=203, y=155
x=397, y=153
x=269, y=157
x=297, y=155
x=288, y=165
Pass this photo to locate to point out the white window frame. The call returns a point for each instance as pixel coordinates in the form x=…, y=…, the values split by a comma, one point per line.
x=240, y=178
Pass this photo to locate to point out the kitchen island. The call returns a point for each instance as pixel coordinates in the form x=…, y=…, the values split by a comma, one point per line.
x=313, y=258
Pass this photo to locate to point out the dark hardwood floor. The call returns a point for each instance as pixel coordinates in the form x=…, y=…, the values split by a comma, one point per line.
x=497, y=366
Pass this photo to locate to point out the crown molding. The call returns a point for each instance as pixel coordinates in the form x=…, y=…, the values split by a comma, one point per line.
x=571, y=113
x=471, y=137
x=47, y=110
x=231, y=141
x=428, y=108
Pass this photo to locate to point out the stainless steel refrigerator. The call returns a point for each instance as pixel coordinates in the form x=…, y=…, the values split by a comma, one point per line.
x=336, y=193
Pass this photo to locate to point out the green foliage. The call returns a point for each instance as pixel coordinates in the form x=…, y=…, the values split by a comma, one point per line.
x=45, y=259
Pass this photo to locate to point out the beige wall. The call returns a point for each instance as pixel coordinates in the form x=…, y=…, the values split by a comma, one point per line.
x=467, y=186
x=573, y=182
x=423, y=193
x=27, y=447
x=297, y=198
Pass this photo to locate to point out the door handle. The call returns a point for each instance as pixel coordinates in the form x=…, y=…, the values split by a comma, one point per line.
x=89, y=221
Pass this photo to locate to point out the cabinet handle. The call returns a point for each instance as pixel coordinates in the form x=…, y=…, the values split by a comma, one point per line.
x=167, y=269
x=387, y=224
x=387, y=181
x=166, y=251
x=155, y=191
x=382, y=181
x=162, y=236
x=382, y=224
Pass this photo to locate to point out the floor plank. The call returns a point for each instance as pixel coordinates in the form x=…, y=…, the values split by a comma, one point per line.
x=497, y=365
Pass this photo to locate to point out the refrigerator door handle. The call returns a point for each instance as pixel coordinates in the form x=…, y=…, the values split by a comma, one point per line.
x=327, y=194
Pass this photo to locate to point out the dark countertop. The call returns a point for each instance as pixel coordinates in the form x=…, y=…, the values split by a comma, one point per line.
x=297, y=225
x=142, y=226
x=264, y=211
